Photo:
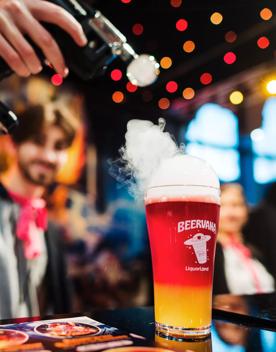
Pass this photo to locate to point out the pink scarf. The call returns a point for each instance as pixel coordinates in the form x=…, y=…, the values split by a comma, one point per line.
x=33, y=214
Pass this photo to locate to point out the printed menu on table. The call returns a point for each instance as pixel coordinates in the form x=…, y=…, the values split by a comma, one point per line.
x=79, y=334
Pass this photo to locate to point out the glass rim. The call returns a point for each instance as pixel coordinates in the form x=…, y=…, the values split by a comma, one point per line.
x=181, y=185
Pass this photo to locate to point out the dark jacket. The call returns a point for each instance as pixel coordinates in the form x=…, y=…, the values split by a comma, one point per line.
x=220, y=284
x=56, y=286
x=260, y=231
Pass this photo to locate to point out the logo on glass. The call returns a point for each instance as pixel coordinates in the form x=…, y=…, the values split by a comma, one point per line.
x=198, y=242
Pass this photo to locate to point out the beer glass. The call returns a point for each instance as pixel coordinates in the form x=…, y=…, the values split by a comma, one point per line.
x=204, y=345
x=182, y=211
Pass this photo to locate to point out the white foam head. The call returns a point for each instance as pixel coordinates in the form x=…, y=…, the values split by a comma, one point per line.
x=184, y=176
x=183, y=169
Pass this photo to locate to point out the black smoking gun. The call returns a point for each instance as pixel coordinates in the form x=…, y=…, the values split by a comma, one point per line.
x=105, y=43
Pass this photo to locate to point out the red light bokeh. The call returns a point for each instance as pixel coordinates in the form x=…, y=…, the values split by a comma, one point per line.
x=137, y=29
x=131, y=88
x=263, y=42
x=206, y=78
x=116, y=74
x=229, y=58
x=57, y=79
x=181, y=25
x=171, y=87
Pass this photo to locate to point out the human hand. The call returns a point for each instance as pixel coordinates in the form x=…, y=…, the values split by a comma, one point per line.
x=20, y=17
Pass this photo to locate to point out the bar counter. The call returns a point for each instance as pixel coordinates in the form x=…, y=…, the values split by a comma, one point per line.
x=240, y=323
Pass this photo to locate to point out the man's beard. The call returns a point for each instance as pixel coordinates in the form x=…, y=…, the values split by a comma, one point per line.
x=40, y=179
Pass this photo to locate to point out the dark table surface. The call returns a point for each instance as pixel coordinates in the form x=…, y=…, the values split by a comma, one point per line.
x=240, y=323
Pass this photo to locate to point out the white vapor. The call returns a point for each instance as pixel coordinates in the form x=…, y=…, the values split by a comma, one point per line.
x=146, y=146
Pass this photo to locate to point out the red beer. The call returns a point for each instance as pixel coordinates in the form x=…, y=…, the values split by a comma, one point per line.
x=182, y=209
x=182, y=233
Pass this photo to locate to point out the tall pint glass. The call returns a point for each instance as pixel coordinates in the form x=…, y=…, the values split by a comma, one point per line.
x=203, y=345
x=182, y=223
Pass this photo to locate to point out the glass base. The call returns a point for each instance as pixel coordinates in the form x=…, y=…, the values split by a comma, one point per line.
x=182, y=334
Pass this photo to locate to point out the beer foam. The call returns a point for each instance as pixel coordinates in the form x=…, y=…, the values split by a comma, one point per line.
x=183, y=177
x=183, y=169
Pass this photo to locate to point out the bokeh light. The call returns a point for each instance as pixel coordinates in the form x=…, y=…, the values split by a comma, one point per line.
x=116, y=74
x=206, y=78
x=118, y=97
x=229, y=58
x=57, y=79
x=137, y=29
x=230, y=37
x=188, y=93
x=126, y=1
x=164, y=103
x=171, y=87
x=176, y=3
x=181, y=25
x=271, y=86
x=266, y=14
x=166, y=62
x=257, y=134
x=236, y=97
x=189, y=46
x=263, y=42
x=131, y=88
x=216, y=18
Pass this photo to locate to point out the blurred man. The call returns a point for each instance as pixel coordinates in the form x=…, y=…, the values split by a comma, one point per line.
x=31, y=258
x=22, y=17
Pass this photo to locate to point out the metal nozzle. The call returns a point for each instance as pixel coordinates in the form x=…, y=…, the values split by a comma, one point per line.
x=143, y=70
x=112, y=36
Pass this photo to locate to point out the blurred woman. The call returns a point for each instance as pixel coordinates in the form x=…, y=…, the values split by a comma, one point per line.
x=238, y=269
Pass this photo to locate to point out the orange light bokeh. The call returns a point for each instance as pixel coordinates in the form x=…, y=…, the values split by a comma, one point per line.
x=216, y=18
x=164, y=103
x=166, y=62
x=189, y=46
x=118, y=97
x=188, y=93
x=266, y=14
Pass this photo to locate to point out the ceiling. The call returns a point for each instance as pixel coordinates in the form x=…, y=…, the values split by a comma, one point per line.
x=161, y=38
